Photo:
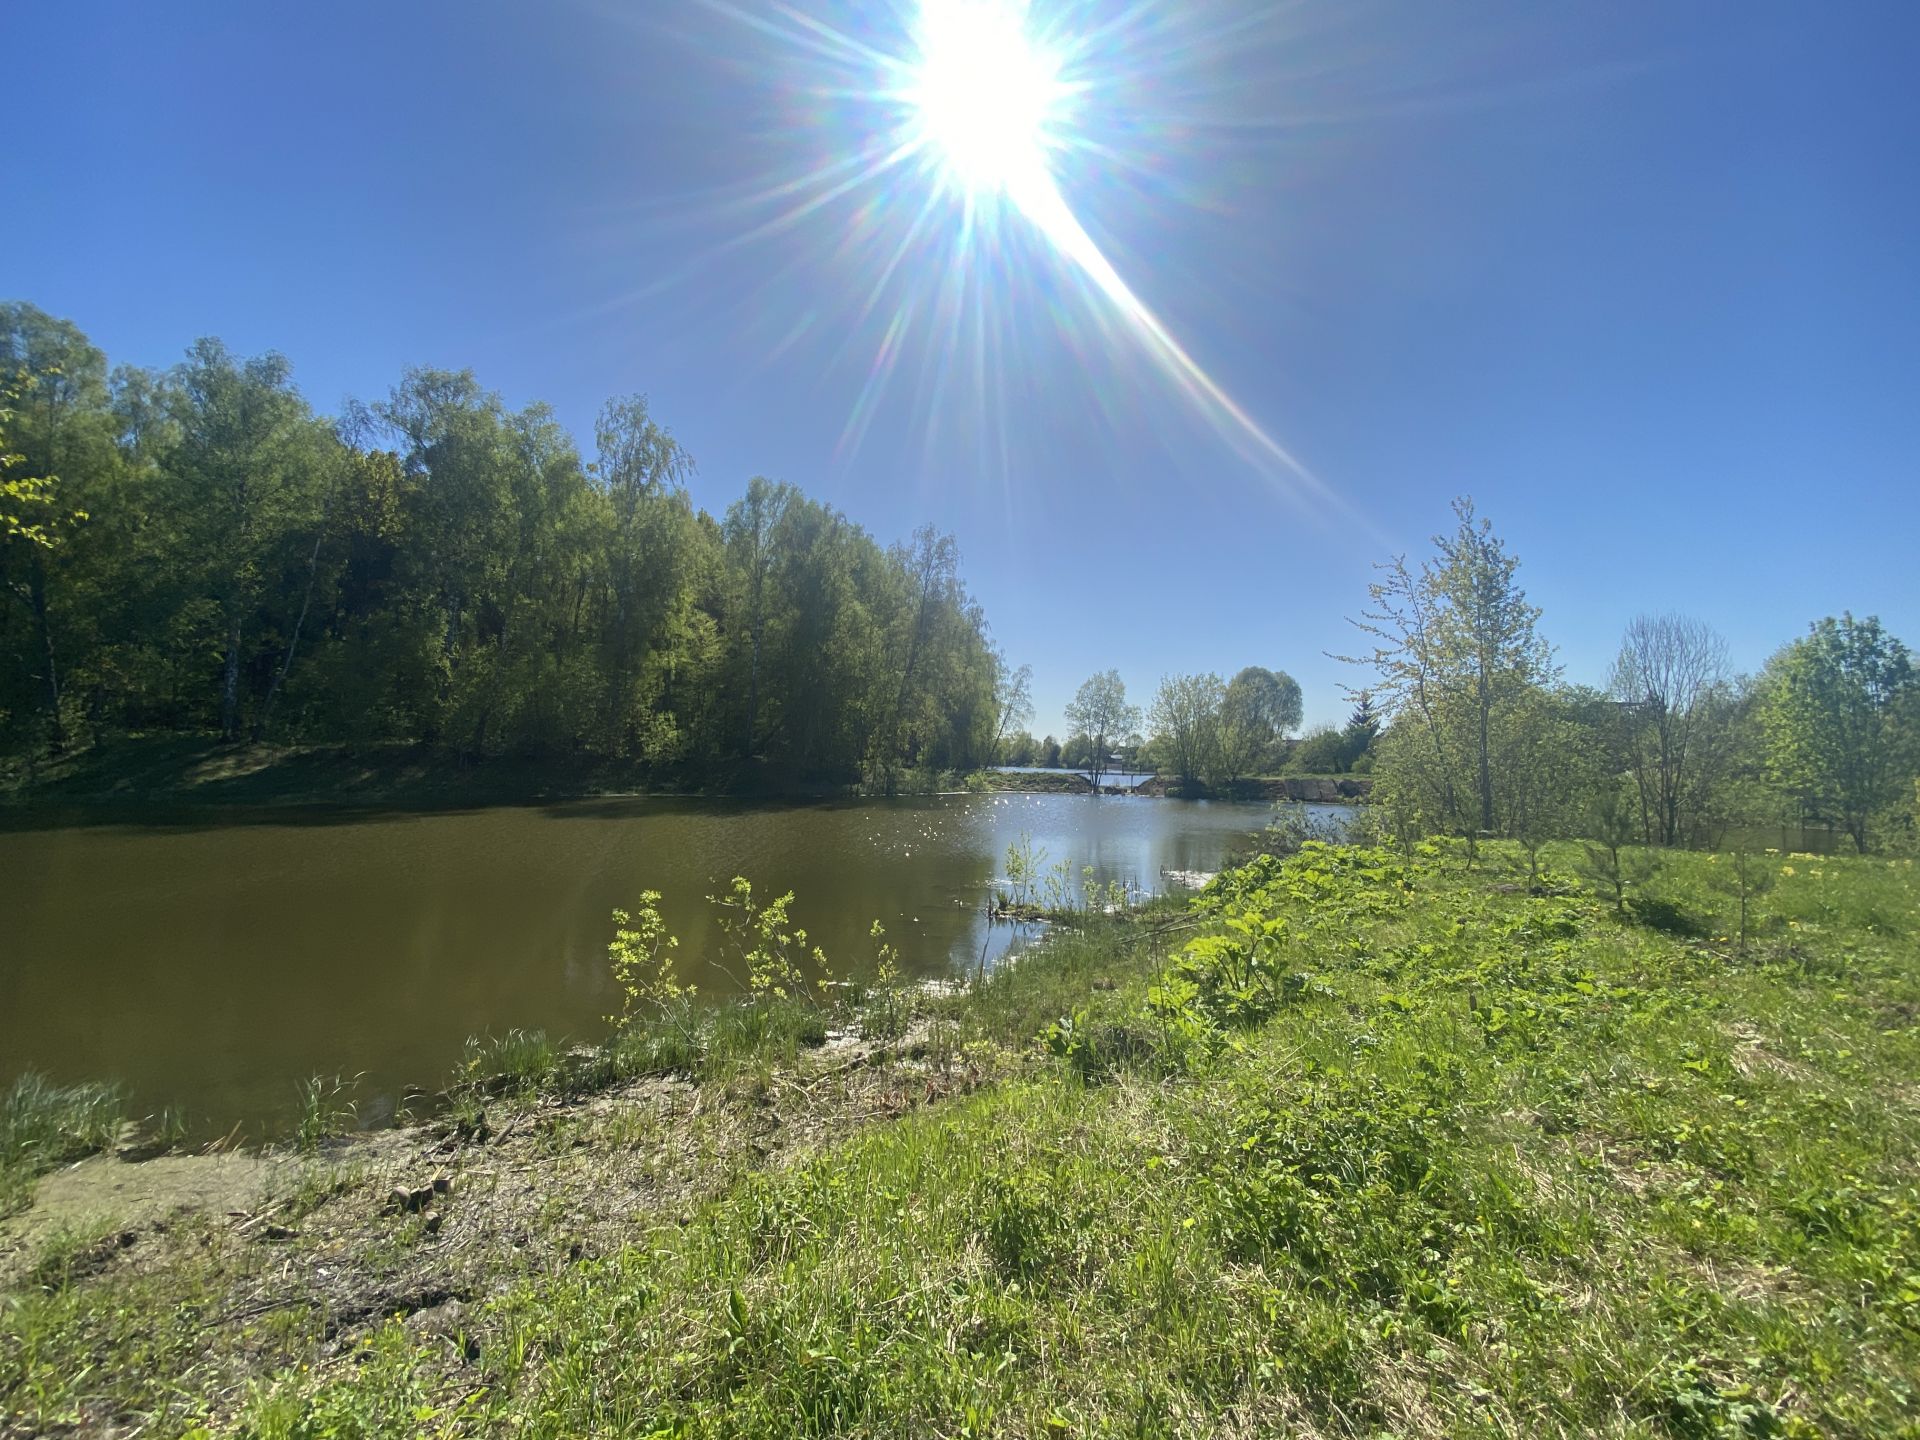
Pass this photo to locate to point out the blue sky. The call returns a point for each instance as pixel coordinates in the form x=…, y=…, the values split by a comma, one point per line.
x=1642, y=278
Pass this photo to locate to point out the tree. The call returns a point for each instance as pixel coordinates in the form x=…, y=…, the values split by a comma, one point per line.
x=26, y=501
x=1012, y=702
x=1019, y=748
x=1260, y=707
x=1488, y=637
x=1048, y=756
x=1321, y=751
x=58, y=446
x=750, y=526
x=640, y=585
x=1671, y=681
x=1457, y=651
x=1185, y=717
x=1363, y=728
x=1101, y=715
x=1553, y=766
x=1839, y=715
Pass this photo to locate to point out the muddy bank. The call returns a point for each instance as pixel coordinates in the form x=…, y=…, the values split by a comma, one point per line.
x=278, y=1259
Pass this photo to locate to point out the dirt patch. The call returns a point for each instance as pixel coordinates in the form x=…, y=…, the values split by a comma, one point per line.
x=105, y=1194
x=294, y=1260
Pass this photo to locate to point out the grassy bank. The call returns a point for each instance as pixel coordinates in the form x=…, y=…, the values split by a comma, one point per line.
x=1377, y=1144
x=43, y=1124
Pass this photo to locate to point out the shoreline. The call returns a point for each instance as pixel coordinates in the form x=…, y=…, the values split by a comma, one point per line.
x=1271, y=789
x=144, y=778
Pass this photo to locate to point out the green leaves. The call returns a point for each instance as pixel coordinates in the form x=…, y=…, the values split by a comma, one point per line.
x=1840, y=710
x=438, y=567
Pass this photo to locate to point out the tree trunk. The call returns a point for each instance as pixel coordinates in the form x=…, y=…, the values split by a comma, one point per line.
x=753, y=691
x=1486, y=765
x=37, y=595
x=293, y=641
x=230, y=682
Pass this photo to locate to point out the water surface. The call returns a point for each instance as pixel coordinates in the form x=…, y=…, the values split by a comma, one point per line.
x=211, y=963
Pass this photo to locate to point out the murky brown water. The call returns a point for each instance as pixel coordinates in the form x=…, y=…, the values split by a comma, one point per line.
x=211, y=964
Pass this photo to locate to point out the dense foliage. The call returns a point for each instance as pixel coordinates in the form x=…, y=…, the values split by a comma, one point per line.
x=197, y=550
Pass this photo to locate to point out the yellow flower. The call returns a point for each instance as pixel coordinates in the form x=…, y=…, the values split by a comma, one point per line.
x=1786, y=869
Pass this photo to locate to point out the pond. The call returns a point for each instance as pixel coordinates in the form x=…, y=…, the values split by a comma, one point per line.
x=211, y=963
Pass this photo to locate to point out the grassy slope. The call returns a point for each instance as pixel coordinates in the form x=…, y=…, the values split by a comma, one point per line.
x=1404, y=1149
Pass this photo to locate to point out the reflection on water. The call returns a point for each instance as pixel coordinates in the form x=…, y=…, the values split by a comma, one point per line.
x=213, y=965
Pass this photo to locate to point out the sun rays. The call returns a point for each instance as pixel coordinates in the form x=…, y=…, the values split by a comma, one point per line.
x=943, y=131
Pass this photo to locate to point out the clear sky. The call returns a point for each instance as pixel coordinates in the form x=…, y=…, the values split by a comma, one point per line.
x=1643, y=278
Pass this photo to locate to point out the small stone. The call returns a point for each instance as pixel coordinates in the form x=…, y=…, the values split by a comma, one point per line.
x=443, y=1319
x=409, y=1199
x=432, y=1222
x=279, y=1232
x=443, y=1184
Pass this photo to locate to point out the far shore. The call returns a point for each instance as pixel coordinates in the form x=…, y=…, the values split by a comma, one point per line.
x=141, y=774
x=1273, y=789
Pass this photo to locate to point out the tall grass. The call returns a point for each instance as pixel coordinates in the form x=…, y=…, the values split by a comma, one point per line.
x=43, y=1125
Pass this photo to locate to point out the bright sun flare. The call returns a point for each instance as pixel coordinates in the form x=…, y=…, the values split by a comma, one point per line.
x=987, y=108
x=984, y=94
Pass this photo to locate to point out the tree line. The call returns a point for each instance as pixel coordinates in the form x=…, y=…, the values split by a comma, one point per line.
x=1468, y=726
x=1201, y=731
x=196, y=550
x=1483, y=736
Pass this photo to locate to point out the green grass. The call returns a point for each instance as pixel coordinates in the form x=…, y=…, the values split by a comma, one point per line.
x=1380, y=1145
x=43, y=1125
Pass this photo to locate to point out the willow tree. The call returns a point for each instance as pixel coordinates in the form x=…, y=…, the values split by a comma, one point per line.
x=1259, y=708
x=1186, y=723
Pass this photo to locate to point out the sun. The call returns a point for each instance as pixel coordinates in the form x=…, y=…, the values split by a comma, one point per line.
x=953, y=129
x=984, y=94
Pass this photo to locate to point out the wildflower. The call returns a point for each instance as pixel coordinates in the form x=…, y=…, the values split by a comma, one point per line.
x=1786, y=869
